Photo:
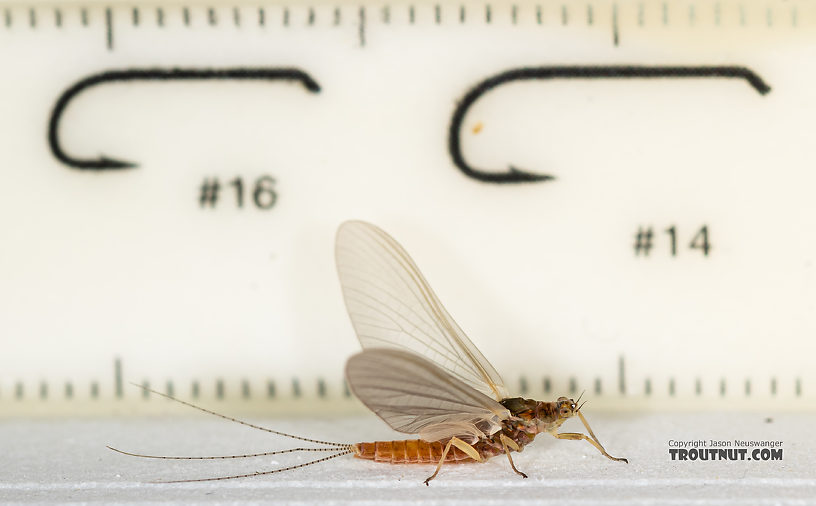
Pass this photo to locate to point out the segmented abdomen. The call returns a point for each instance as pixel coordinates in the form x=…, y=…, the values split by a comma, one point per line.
x=409, y=451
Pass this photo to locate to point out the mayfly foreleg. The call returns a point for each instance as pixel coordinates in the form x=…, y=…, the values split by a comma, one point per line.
x=575, y=436
x=507, y=442
x=458, y=443
x=599, y=446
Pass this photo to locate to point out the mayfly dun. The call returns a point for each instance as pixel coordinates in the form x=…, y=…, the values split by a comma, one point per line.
x=419, y=372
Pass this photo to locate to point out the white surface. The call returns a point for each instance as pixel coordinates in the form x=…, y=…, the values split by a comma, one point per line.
x=66, y=461
x=126, y=264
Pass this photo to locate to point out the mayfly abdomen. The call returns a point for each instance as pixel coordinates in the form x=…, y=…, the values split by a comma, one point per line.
x=409, y=451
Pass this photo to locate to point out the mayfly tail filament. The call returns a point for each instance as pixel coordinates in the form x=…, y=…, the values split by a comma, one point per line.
x=223, y=457
x=263, y=473
x=337, y=449
x=339, y=446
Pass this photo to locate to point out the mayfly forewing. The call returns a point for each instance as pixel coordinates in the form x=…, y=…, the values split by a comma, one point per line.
x=391, y=305
x=415, y=396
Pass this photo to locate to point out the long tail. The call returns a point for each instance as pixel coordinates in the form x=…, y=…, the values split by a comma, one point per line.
x=262, y=473
x=219, y=415
x=340, y=448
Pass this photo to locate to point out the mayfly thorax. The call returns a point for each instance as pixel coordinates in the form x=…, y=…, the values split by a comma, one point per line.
x=419, y=372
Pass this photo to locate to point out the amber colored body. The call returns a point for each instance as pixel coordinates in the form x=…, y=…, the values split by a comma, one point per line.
x=528, y=418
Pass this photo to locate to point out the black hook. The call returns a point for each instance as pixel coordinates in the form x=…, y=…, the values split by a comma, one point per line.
x=516, y=175
x=155, y=74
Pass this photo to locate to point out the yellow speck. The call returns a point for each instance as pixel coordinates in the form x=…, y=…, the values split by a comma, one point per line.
x=477, y=127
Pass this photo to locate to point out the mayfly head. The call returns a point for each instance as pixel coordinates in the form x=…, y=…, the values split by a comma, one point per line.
x=567, y=408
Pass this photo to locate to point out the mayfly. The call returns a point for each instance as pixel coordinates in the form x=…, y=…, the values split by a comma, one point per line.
x=419, y=372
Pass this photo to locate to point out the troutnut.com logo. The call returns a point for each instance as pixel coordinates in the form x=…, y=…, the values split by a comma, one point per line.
x=720, y=449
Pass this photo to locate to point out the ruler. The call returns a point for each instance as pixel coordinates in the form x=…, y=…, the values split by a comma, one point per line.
x=610, y=197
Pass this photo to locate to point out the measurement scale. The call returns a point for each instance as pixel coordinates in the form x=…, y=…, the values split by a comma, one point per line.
x=609, y=196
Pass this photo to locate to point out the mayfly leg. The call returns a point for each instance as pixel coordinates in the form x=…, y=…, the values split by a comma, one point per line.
x=575, y=436
x=506, y=441
x=455, y=441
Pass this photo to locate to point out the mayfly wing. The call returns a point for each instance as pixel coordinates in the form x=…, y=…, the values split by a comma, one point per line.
x=391, y=305
x=415, y=396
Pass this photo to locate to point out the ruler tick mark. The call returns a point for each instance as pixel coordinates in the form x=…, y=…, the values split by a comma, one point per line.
x=665, y=14
x=538, y=14
x=640, y=14
x=488, y=15
x=170, y=389
x=195, y=390
x=336, y=16
x=261, y=16
x=43, y=390
x=722, y=387
x=270, y=389
x=573, y=386
x=547, y=385
x=236, y=16
x=160, y=16
x=798, y=387
x=311, y=19
x=145, y=391
x=296, y=393
x=219, y=389
x=523, y=385
x=564, y=15
x=185, y=14
x=411, y=14
x=773, y=386
x=7, y=15
x=211, y=18
x=321, y=388
x=698, y=386
x=84, y=17
x=647, y=387
x=386, y=14
x=117, y=378
x=361, y=28
x=462, y=14
x=590, y=15
x=438, y=14
x=18, y=391
x=621, y=375
x=514, y=14
x=245, y=392
x=597, y=386
x=109, y=27
x=768, y=17
x=69, y=390
x=135, y=16
x=615, y=30
x=286, y=17
x=32, y=18
x=58, y=18
x=94, y=390
x=671, y=387
x=692, y=15
x=747, y=387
